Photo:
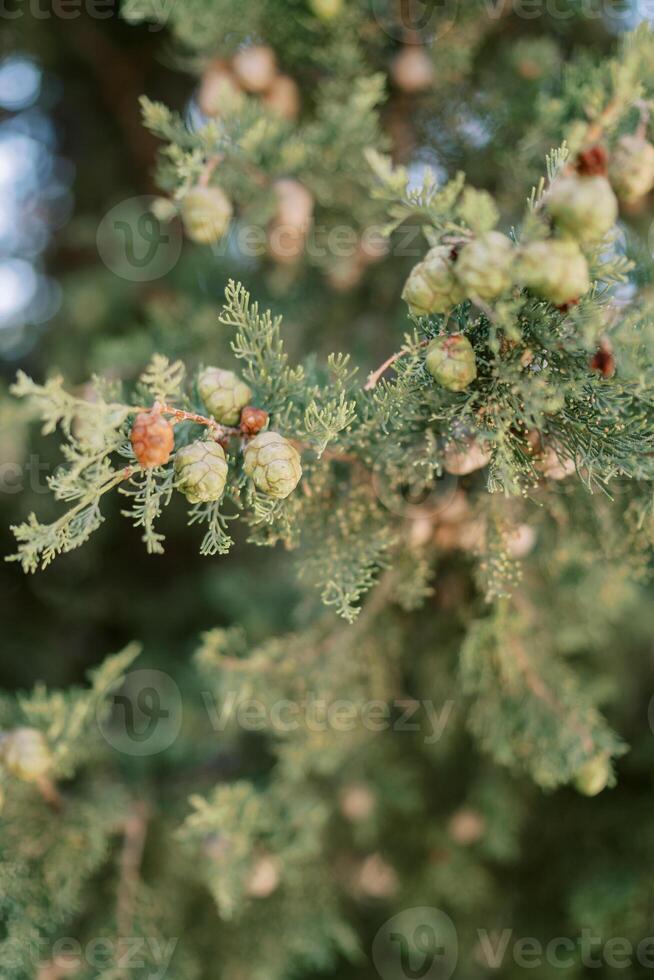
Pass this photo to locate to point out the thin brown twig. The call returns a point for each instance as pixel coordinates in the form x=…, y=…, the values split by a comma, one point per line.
x=487, y=310
x=48, y=790
x=596, y=129
x=374, y=376
x=229, y=430
x=209, y=167
x=181, y=416
x=644, y=110
x=540, y=691
x=135, y=830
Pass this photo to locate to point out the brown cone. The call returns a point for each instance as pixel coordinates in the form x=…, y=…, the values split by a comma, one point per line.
x=152, y=439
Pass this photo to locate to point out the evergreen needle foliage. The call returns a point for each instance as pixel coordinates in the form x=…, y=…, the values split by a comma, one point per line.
x=477, y=544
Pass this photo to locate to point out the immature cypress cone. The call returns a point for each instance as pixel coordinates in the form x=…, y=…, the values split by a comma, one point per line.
x=593, y=777
x=412, y=70
x=273, y=464
x=462, y=461
x=206, y=214
x=357, y=802
x=26, y=754
x=290, y=225
x=466, y=826
x=283, y=97
x=520, y=540
x=583, y=207
x=555, y=269
x=224, y=394
x=555, y=466
x=152, y=439
x=432, y=286
x=201, y=470
x=483, y=266
x=255, y=67
x=631, y=170
x=218, y=89
x=326, y=10
x=451, y=361
x=264, y=877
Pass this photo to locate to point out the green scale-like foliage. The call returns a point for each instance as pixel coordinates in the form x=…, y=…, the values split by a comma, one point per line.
x=235, y=852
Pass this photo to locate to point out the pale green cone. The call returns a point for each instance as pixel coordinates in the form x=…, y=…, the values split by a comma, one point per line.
x=432, y=286
x=631, y=169
x=555, y=269
x=206, y=214
x=484, y=266
x=593, y=777
x=201, y=471
x=224, y=394
x=273, y=464
x=326, y=10
x=583, y=207
x=451, y=361
x=26, y=754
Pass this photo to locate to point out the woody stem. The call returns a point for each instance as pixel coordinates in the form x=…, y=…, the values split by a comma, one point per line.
x=374, y=376
x=181, y=416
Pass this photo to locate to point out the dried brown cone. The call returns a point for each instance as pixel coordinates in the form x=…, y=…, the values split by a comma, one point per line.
x=603, y=360
x=566, y=307
x=466, y=826
x=253, y=420
x=593, y=162
x=283, y=97
x=152, y=439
